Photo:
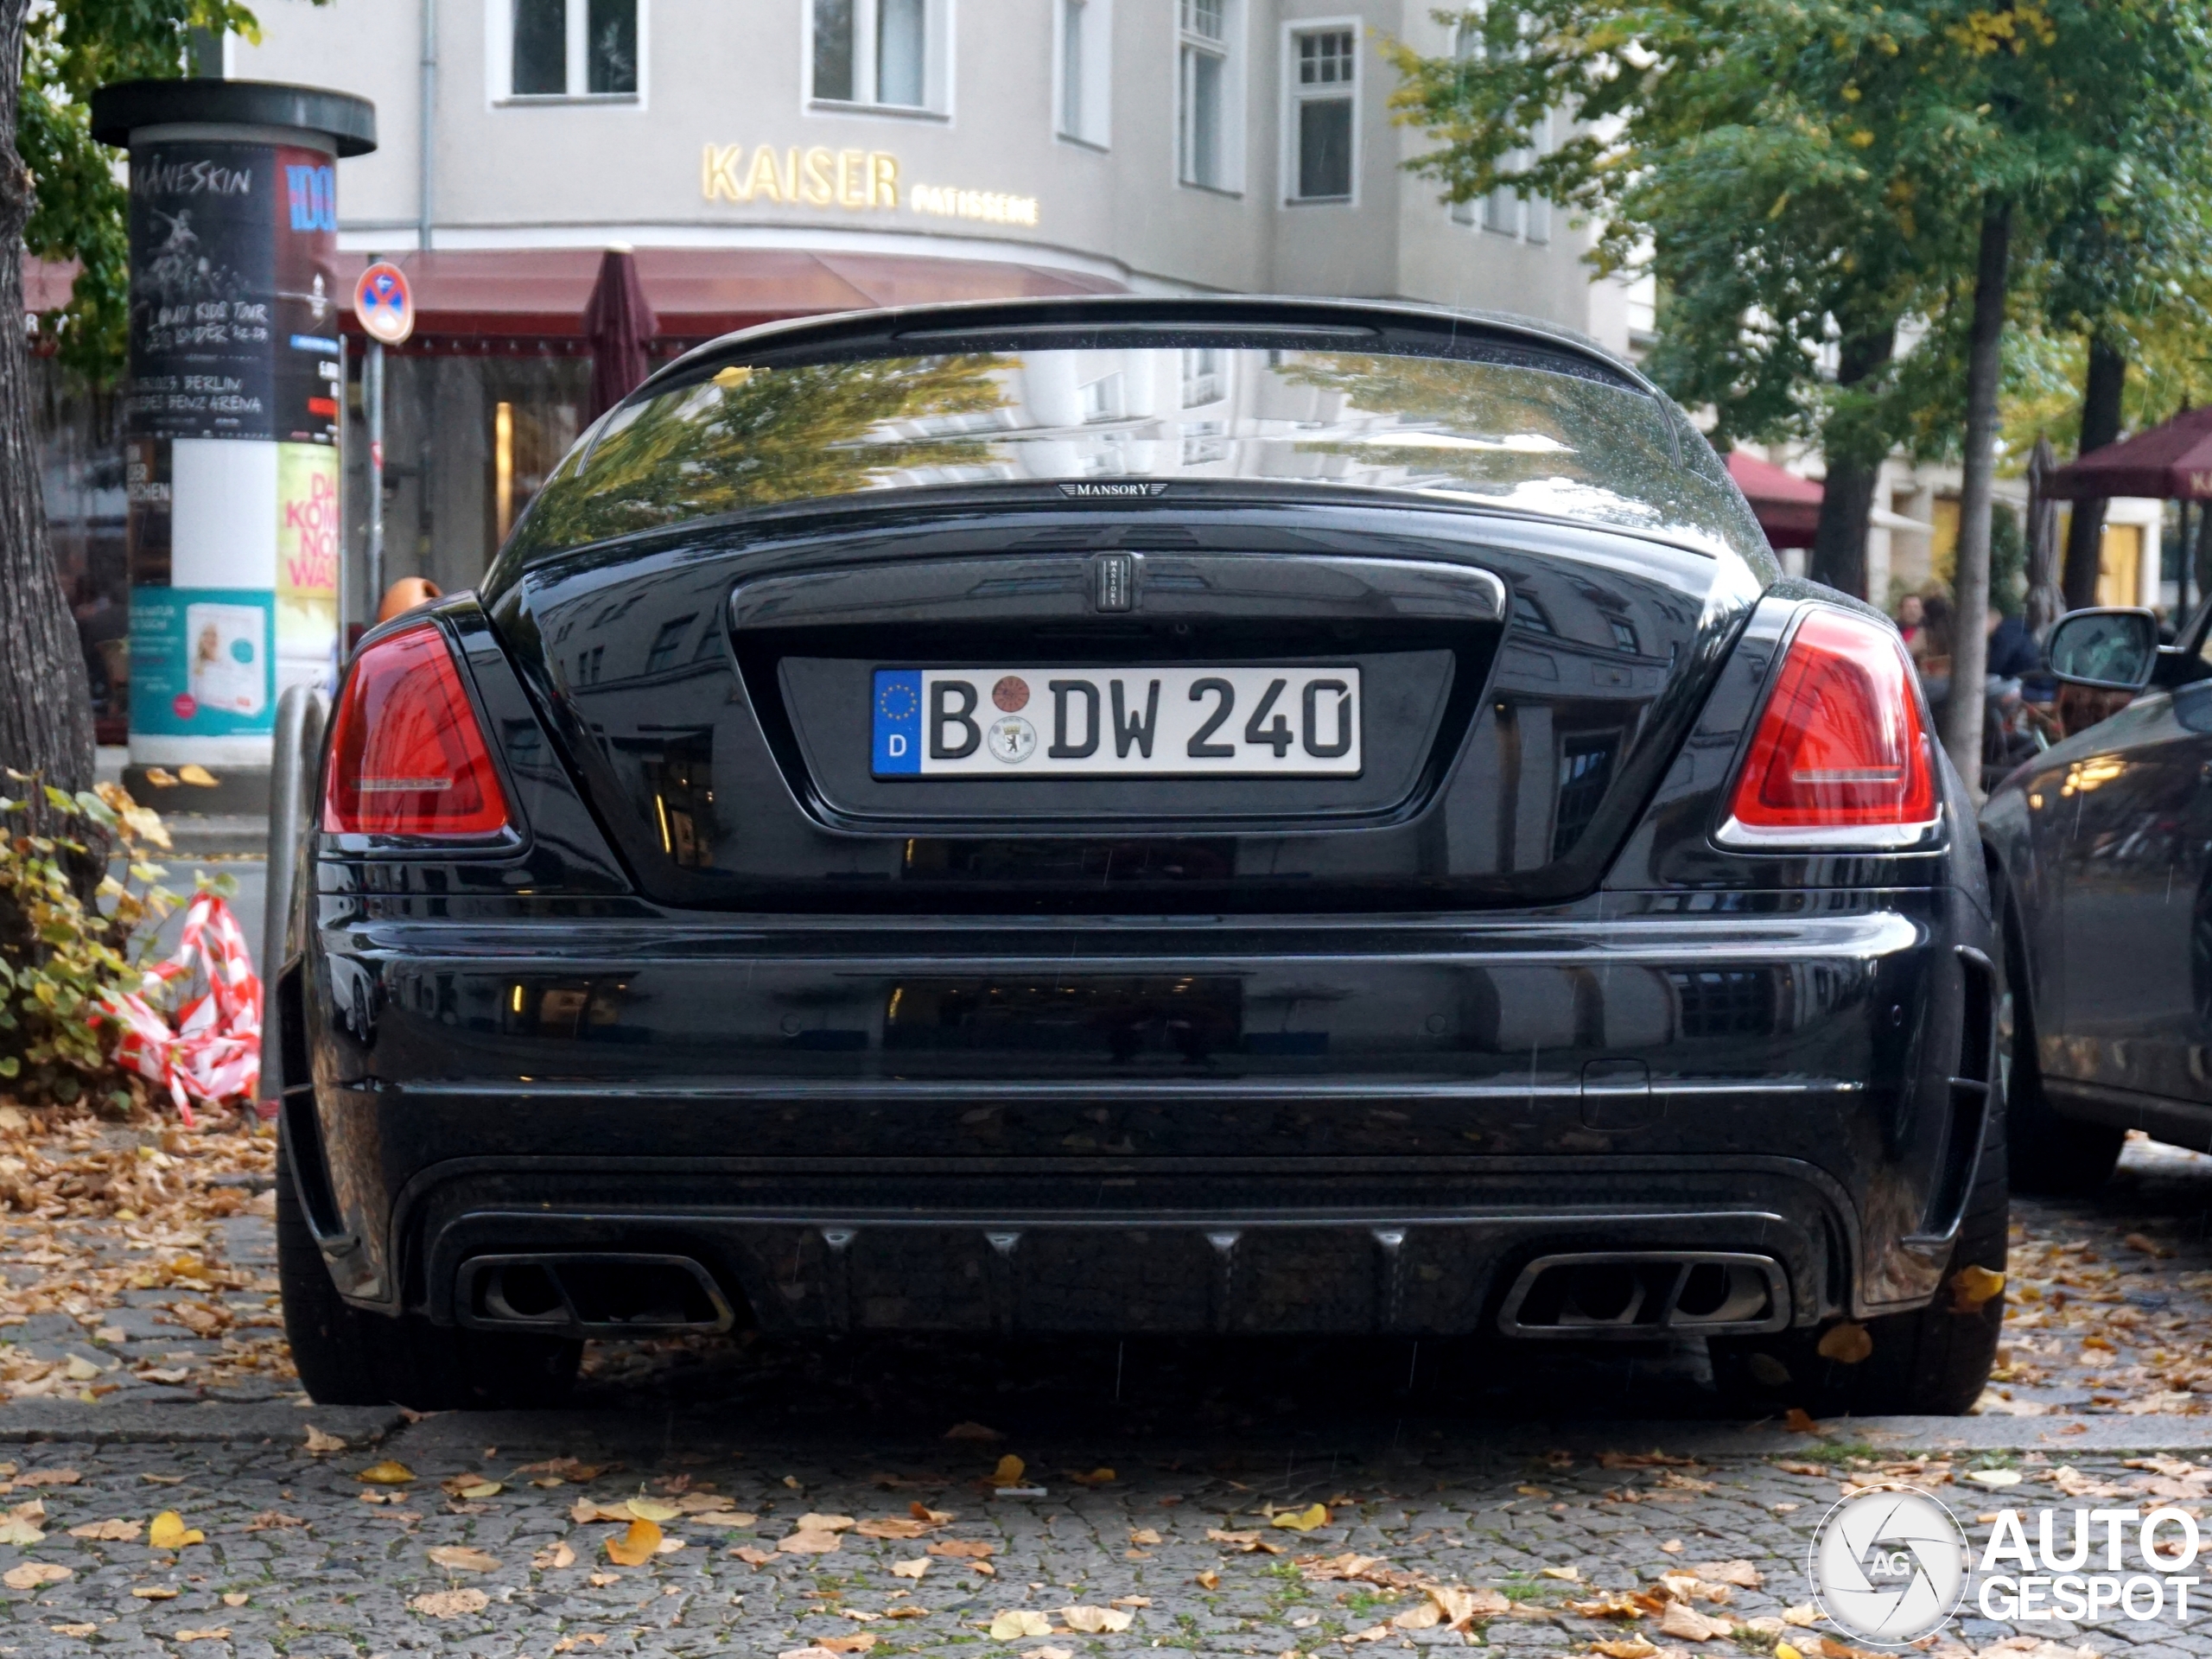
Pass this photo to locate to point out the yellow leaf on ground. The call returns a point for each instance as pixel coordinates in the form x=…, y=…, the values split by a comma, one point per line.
x=1461, y=1608
x=1804, y=1615
x=892, y=1526
x=1142, y=1535
x=451, y=1603
x=237, y=1597
x=1372, y=1633
x=811, y=1543
x=221, y=1632
x=51, y=1476
x=922, y=1511
x=73, y=1629
x=1009, y=1473
x=724, y=1517
x=1800, y=1422
x=1209, y=1581
x=1425, y=1617
x=1012, y=1623
x=1048, y=1653
x=197, y=775
x=2147, y=1246
x=161, y=777
x=156, y=1593
x=970, y=1548
x=1099, y=1477
x=31, y=1575
x=1784, y=1651
x=319, y=1443
x=114, y=1532
x=386, y=1473
x=554, y=1558
x=811, y=1523
x=1972, y=1286
x=1095, y=1621
x=458, y=1558
x=478, y=1490
x=648, y=1509
x=1745, y=1575
x=912, y=1569
x=1995, y=1477
x=15, y=1530
x=1680, y=1620
x=170, y=1532
x=1567, y=1574
x=1303, y=1520
x=637, y=1545
x=859, y=1641
x=1847, y=1343
x=1625, y=1647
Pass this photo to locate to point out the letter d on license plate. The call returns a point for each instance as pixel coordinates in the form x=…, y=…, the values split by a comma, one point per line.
x=1029, y=723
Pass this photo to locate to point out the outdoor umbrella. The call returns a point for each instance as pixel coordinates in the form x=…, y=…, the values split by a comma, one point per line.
x=2171, y=462
x=1787, y=507
x=619, y=326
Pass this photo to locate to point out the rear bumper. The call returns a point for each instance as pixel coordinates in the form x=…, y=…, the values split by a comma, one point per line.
x=1236, y=1126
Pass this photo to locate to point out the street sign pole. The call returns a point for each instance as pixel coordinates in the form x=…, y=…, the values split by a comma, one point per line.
x=372, y=398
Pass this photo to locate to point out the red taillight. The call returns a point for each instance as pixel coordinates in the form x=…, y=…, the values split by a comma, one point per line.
x=407, y=757
x=1841, y=755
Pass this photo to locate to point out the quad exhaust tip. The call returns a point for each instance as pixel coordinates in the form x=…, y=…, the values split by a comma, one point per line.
x=1643, y=1294
x=591, y=1293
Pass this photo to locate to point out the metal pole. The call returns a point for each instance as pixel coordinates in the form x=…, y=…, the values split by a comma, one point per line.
x=427, y=128
x=301, y=713
x=345, y=456
x=372, y=395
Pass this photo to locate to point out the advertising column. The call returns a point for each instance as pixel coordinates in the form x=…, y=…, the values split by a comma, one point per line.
x=231, y=412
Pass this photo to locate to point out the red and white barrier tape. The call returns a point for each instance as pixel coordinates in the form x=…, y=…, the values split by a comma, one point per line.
x=209, y=1049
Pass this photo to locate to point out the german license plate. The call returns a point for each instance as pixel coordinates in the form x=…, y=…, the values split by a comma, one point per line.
x=1028, y=722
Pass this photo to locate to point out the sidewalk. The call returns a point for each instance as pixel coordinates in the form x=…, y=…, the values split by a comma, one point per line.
x=196, y=835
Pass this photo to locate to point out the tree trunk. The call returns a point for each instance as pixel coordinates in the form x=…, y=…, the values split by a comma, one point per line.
x=2100, y=426
x=1848, y=497
x=1970, y=585
x=46, y=708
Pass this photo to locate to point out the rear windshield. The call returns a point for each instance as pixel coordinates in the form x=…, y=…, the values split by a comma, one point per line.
x=1555, y=441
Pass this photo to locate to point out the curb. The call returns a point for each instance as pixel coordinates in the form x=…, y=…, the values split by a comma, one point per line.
x=126, y=1423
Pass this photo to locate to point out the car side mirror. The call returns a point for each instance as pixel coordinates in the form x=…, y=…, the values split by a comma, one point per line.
x=2110, y=650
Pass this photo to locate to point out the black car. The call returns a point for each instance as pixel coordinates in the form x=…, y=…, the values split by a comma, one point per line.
x=2101, y=851
x=1140, y=816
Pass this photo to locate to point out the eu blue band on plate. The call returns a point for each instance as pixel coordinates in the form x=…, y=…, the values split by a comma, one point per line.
x=898, y=720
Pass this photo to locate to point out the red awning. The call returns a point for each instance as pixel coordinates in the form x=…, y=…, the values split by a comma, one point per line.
x=697, y=293
x=1787, y=507
x=2171, y=462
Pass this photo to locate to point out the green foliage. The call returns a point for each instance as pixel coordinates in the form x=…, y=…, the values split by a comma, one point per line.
x=62, y=955
x=70, y=49
x=1803, y=176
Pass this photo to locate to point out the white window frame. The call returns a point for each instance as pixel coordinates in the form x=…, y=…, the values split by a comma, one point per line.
x=499, y=59
x=938, y=36
x=1294, y=94
x=1234, y=50
x=1090, y=125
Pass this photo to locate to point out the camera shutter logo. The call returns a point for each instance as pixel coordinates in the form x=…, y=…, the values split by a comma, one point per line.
x=1889, y=1567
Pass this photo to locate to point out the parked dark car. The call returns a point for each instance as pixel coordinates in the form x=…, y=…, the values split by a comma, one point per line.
x=1134, y=816
x=2100, y=854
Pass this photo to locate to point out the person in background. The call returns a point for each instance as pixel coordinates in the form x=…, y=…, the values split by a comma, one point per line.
x=2013, y=654
x=1912, y=622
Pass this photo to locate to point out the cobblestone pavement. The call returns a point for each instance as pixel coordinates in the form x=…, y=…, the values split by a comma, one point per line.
x=1179, y=1539
x=1161, y=1467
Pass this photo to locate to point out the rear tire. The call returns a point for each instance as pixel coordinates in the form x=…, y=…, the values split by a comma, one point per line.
x=347, y=1357
x=2052, y=1156
x=1933, y=1362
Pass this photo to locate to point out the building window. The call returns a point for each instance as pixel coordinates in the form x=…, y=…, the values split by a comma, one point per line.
x=1205, y=85
x=572, y=49
x=888, y=54
x=1201, y=376
x=1324, y=93
x=1085, y=82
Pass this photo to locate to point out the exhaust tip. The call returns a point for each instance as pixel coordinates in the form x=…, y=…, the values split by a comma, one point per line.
x=591, y=1293
x=1643, y=1294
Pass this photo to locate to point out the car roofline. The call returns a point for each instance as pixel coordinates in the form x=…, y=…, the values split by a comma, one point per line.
x=889, y=324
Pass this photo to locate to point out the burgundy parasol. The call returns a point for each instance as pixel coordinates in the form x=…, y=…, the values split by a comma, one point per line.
x=2171, y=462
x=1787, y=507
x=619, y=326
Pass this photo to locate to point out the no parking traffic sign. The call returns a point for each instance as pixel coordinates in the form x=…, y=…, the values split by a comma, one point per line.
x=384, y=303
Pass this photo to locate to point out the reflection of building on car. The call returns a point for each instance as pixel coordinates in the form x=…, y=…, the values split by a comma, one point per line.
x=1533, y=920
x=2100, y=856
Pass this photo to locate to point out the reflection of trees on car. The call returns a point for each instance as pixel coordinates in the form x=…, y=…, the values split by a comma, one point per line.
x=754, y=437
x=1527, y=438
